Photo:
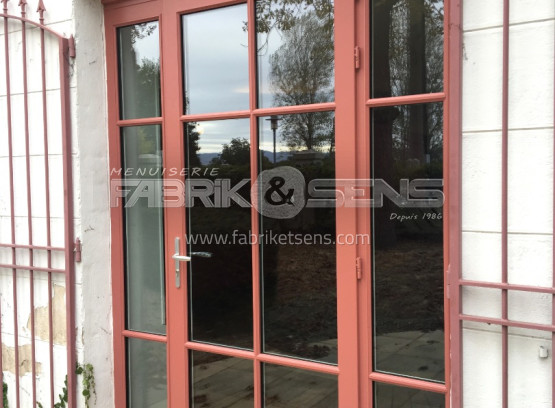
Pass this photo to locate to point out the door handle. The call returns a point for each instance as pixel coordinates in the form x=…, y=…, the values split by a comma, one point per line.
x=178, y=259
x=202, y=254
x=181, y=258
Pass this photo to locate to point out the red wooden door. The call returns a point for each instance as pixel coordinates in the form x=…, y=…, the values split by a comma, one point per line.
x=251, y=266
x=235, y=112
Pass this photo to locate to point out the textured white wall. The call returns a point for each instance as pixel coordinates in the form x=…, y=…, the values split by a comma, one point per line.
x=530, y=196
x=94, y=273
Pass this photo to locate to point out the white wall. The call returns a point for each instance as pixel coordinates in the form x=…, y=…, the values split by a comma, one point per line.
x=94, y=274
x=530, y=196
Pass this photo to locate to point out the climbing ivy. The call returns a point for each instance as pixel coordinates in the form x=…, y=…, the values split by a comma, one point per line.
x=5, y=394
x=63, y=398
x=87, y=371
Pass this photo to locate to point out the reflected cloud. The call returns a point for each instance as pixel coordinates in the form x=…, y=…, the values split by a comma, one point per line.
x=216, y=60
x=243, y=90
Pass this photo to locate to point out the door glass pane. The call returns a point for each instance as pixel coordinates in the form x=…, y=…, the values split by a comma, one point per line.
x=407, y=47
x=407, y=158
x=291, y=387
x=139, y=69
x=144, y=229
x=146, y=374
x=219, y=222
x=295, y=52
x=215, y=55
x=391, y=396
x=220, y=381
x=298, y=256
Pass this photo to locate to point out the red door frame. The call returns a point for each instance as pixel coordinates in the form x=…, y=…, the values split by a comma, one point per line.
x=451, y=99
x=352, y=109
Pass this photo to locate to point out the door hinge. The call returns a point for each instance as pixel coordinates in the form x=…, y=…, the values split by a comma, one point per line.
x=72, y=47
x=357, y=57
x=77, y=250
x=448, y=283
x=358, y=264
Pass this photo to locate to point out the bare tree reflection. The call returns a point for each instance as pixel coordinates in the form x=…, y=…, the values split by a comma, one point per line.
x=407, y=143
x=299, y=303
x=301, y=73
x=407, y=59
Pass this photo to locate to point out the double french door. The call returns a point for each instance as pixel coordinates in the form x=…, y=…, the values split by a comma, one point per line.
x=277, y=203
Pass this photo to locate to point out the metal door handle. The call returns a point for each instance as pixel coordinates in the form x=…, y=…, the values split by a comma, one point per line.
x=178, y=259
x=181, y=258
x=202, y=254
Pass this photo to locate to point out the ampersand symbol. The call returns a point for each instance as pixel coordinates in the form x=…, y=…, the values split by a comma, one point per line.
x=276, y=183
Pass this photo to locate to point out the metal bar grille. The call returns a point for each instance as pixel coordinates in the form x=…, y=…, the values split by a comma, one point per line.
x=32, y=252
x=504, y=205
x=504, y=286
x=553, y=248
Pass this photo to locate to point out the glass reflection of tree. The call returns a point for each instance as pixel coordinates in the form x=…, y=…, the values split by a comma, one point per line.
x=221, y=285
x=140, y=79
x=407, y=143
x=300, y=315
x=416, y=66
x=192, y=141
x=236, y=152
x=407, y=59
x=283, y=14
x=301, y=73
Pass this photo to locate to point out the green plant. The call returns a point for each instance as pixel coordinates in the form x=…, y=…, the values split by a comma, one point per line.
x=5, y=394
x=87, y=371
x=63, y=398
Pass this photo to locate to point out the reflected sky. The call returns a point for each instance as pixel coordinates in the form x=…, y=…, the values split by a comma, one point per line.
x=216, y=73
x=216, y=60
x=148, y=47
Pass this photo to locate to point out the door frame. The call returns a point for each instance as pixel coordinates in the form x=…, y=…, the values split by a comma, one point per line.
x=452, y=131
x=352, y=118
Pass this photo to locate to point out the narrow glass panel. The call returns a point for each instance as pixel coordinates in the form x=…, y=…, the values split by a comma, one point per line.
x=144, y=229
x=407, y=47
x=139, y=71
x=146, y=374
x=219, y=381
x=391, y=396
x=298, y=243
x=291, y=387
x=219, y=222
x=408, y=240
x=295, y=52
x=216, y=76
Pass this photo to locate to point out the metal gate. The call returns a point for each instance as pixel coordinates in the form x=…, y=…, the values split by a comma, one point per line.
x=37, y=326
x=506, y=324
